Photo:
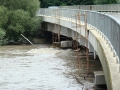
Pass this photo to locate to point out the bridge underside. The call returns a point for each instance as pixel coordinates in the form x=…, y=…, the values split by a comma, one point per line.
x=66, y=32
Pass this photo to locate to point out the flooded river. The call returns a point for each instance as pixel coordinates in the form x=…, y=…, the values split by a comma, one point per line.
x=27, y=68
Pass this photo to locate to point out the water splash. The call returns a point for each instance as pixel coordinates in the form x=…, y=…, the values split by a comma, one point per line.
x=48, y=51
x=44, y=51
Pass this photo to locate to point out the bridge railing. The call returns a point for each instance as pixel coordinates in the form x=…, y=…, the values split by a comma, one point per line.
x=100, y=8
x=108, y=26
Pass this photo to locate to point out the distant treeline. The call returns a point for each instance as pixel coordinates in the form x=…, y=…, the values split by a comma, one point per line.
x=47, y=3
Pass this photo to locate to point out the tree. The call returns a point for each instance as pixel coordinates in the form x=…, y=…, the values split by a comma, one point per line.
x=19, y=19
x=118, y=1
x=86, y=2
x=3, y=16
x=2, y=34
x=105, y=1
x=27, y=5
x=47, y=3
x=18, y=16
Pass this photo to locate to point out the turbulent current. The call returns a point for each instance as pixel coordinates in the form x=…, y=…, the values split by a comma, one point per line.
x=46, y=68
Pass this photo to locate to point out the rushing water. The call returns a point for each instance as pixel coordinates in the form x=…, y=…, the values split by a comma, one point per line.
x=27, y=68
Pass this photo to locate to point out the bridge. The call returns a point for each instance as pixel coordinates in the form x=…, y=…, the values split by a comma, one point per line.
x=94, y=26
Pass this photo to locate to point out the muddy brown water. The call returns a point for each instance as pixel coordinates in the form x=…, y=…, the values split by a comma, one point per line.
x=27, y=68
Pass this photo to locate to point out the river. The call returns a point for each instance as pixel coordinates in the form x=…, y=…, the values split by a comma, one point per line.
x=24, y=67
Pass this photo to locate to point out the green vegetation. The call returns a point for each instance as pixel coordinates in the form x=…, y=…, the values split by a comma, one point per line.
x=105, y=1
x=2, y=34
x=16, y=17
x=47, y=3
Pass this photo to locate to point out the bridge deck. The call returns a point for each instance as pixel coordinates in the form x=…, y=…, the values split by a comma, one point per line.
x=115, y=15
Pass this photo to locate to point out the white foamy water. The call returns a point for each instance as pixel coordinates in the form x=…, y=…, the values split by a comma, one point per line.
x=23, y=68
x=44, y=51
x=48, y=51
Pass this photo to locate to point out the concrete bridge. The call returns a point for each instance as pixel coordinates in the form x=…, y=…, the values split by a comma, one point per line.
x=103, y=32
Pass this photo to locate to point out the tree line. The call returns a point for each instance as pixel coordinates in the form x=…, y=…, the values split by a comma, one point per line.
x=16, y=17
x=47, y=3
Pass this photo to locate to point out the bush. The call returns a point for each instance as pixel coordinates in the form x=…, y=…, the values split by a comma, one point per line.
x=2, y=34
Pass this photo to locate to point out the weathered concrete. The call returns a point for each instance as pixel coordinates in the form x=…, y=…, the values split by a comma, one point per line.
x=66, y=44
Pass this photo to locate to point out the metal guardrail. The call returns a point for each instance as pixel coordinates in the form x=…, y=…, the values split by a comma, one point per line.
x=108, y=25
x=100, y=8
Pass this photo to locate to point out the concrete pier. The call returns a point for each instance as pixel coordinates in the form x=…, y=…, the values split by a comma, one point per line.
x=99, y=78
x=66, y=44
